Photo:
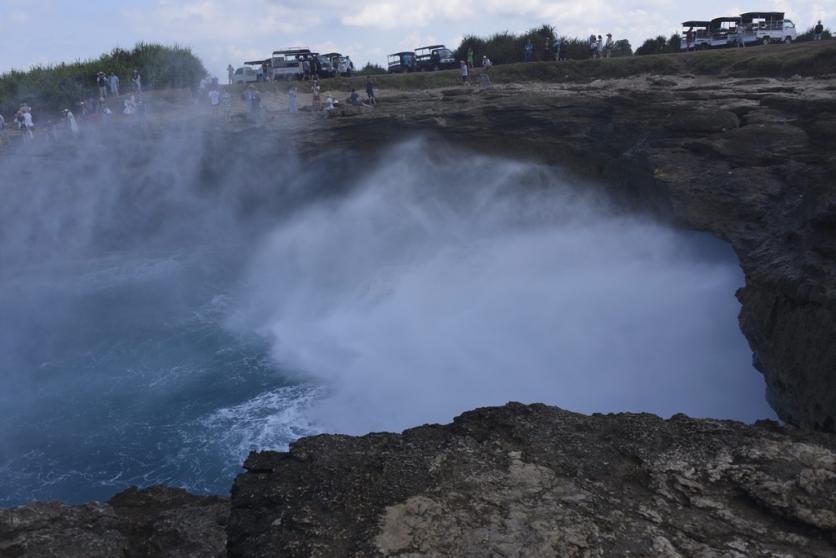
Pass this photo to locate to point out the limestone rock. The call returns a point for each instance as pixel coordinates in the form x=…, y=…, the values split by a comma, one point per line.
x=539, y=481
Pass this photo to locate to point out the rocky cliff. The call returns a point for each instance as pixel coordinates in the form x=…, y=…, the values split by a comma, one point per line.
x=751, y=160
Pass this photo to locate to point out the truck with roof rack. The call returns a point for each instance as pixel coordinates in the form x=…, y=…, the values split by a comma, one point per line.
x=287, y=64
x=401, y=62
x=701, y=34
x=766, y=28
x=724, y=31
x=434, y=57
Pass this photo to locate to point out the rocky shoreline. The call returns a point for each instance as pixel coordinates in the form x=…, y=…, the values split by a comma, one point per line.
x=748, y=159
x=507, y=481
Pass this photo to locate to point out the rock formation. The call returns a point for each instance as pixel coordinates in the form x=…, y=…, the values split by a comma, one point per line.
x=159, y=521
x=539, y=481
x=750, y=160
x=507, y=481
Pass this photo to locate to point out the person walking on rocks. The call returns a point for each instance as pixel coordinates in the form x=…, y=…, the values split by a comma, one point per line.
x=291, y=100
x=114, y=84
x=215, y=101
x=819, y=29
x=316, y=103
x=72, y=125
x=465, y=71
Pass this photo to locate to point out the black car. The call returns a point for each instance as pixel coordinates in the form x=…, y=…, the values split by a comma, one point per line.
x=402, y=62
x=436, y=57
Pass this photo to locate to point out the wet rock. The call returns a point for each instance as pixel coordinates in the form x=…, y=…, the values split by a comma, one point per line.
x=158, y=521
x=539, y=481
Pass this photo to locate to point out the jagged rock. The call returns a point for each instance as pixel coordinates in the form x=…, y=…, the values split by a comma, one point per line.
x=539, y=481
x=158, y=521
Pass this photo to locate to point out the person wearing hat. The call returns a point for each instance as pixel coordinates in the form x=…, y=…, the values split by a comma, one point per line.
x=608, y=46
x=101, y=81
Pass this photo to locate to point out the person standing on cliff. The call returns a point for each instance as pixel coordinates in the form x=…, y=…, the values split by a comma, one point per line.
x=465, y=71
x=230, y=71
x=470, y=55
x=818, y=31
x=370, y=91
x=528, y=52
x=136, y=80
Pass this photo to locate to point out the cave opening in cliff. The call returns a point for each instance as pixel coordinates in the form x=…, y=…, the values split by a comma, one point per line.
x=168, y=305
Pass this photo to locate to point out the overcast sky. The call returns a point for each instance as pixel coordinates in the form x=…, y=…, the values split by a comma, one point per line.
x=230, y=31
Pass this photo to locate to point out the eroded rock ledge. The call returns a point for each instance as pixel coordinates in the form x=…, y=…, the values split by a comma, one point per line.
x=539, y=481
x=507, y=481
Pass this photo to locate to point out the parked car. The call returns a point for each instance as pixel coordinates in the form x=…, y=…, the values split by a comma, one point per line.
x=702, y=34
x=767, y=27
x=401, y=62
x=246, y=74
x=436, y=57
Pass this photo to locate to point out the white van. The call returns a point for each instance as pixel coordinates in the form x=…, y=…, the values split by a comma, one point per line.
x=246, y=74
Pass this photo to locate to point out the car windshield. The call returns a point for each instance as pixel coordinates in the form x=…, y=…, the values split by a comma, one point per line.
x=444, y=53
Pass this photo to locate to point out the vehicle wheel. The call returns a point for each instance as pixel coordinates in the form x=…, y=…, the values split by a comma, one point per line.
x=766, y=41
x=787, y=40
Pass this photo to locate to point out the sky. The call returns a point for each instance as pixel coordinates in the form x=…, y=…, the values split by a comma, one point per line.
x=221, y=32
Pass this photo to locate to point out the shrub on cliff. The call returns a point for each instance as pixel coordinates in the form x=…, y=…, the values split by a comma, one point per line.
x=661, y=45
x=371, y=70
x=63, y=85
x=810, y=34
x=505, y=47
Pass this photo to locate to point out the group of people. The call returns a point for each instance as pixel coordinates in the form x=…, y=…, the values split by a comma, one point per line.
x=600, y=47
x=551, y=49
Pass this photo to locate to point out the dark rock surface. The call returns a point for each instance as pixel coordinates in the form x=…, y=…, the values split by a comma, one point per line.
x=752, y=161
x=539, y=481
x=158, y=521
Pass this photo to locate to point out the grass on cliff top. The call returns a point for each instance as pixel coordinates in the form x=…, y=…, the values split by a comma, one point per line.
x=805, y=59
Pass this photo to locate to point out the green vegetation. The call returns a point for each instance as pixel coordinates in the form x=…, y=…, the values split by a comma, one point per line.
x=810, y=34
x=507, y=48
x=371, y=70
x=52, y=88
x=661, y=45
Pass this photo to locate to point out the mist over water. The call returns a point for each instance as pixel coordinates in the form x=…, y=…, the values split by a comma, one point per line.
x=168, y=305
